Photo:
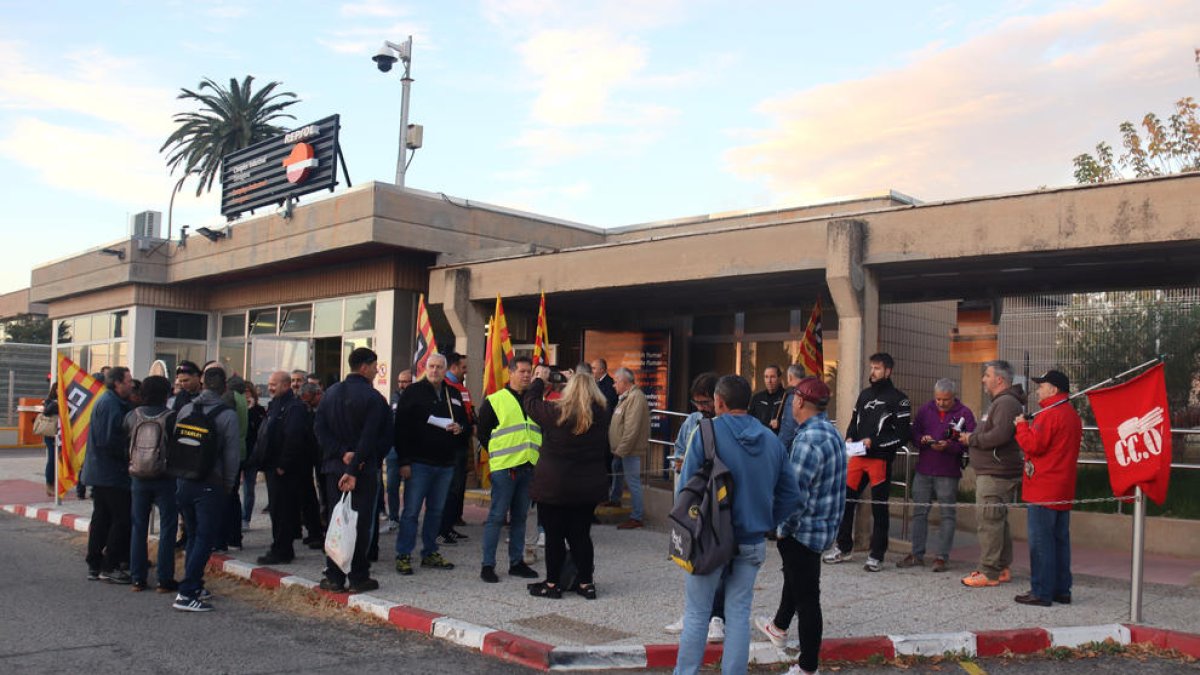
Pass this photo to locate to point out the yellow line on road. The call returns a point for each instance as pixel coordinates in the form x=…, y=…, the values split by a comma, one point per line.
x=972, y=668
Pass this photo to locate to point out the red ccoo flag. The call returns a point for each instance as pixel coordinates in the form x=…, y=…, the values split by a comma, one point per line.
x=1134, y=423
x=426, y=345
x=541, y=337
x=812, y=349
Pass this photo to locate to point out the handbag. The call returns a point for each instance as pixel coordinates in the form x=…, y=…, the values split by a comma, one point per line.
x=341, y=534
x=44, y=425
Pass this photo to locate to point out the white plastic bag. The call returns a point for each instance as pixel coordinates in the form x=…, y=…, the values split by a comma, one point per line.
x=342, y=531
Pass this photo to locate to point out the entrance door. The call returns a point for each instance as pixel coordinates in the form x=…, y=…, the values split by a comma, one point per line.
x=269, y=354
x=327, y=359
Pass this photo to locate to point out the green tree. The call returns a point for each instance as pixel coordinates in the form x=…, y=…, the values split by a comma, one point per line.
x=228, y=120
x=1156, y=149
x=28, y=329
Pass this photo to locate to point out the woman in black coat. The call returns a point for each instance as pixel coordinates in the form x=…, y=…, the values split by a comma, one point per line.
x=570, y=478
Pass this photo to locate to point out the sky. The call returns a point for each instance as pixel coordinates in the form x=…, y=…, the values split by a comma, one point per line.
x=602, y=113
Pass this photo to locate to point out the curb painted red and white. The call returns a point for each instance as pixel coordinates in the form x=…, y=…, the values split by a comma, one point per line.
x=542, y=656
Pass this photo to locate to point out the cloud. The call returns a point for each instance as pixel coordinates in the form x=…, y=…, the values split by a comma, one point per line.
x=374, y=8
x=1006, y=110
x=367, y=37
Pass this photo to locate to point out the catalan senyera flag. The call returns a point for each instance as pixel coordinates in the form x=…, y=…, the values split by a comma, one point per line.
x=499, y=352
x=541, y=337
x=426, y=345
x=812, y=349
x=77, y=396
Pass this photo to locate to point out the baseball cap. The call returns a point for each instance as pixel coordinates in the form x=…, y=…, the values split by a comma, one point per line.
x=813, y=390
x=1056, y=378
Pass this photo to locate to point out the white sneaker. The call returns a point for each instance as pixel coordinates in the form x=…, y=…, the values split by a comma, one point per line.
x=873, y=565
x=674, y=628
x=716, y=629
x=768, y=628
x=796, y=670
x=834, y=556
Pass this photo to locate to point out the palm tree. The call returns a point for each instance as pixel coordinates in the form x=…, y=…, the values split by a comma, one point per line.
x=229, y=119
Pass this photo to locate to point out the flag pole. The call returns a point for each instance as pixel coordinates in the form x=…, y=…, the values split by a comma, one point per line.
x=1158, y=359
x=57, y=455
x=1139, y=545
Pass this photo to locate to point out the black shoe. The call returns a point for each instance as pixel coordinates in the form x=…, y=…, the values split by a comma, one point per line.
x=457, y=534
x=1064, y=599
x=273, y=559
x=447, y=539
x=488, y=574
x=522, y=570
x=588, y=591
x=116, y=577
x=1031, y=599
x=93, y=574
x=327, y=585
x=364, y=586
x=171, y=586
x=542, y=590
x=138, y=586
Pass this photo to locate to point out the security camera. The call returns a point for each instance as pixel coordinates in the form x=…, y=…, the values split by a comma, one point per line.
x=384, y=59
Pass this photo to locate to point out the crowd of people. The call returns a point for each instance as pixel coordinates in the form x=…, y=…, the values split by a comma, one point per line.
x=564, y=442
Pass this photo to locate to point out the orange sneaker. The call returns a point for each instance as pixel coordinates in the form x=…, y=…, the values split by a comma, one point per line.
x=978, y=579
x=1005, y=575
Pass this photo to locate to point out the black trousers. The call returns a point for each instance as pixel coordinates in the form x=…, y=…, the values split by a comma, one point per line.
x=110, y=528
x=283, y=492
x=310, y=510
x=362, y=499
x=453, y=510
x=568, y=526
x=879, y=518
x=801, y=598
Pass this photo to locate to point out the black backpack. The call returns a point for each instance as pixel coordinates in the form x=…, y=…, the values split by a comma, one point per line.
x=194, y=447
x=702, y=538
x=148, y=445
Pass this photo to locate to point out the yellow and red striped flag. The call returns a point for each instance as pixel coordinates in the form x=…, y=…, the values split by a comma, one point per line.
x=499, y=352
x=426, y=344
x=77, y=396
x=541, y=338
x=812, y=350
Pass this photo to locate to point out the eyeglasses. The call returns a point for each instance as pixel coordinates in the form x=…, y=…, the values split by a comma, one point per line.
x=702, y=404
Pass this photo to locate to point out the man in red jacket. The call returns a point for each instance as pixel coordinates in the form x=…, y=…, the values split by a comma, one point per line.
x=1051, y=444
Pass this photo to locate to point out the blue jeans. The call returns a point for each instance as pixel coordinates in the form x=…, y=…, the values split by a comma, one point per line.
x=1049, y=552
x=510, y=494
x=147, y=493
x=429, y=486
x=924, y=487
x=249, y=481
x=698, y=601
x=628, y=470
x=202, y=506
x=392, y=462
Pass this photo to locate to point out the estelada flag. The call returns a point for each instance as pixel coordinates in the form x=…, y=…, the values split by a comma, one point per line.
x=77, y=395
x=426, y=345
x=812, y=346
x=499, y=352
x=541, y=337
x=1134, y=423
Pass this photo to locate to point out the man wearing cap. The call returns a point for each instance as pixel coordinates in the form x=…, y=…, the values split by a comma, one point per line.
x=1051, y=444
x=818, y=458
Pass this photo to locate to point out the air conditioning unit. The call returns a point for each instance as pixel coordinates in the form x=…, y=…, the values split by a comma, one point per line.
x=146, y=225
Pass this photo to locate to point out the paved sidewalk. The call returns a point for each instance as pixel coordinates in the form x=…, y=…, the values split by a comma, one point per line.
x=640, y=591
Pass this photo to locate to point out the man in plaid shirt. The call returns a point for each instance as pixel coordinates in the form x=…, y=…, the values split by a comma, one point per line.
x=818, y=456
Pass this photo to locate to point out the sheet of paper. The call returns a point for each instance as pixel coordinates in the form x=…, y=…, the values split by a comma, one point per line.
x=856, y=448
x=440, y=422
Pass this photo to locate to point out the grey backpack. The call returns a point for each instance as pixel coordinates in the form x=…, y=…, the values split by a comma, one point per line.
x=702, y=539
x=148, y=445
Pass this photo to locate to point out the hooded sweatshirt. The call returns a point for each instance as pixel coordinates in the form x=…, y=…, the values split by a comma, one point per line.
x=993, y=447
x=764, y=486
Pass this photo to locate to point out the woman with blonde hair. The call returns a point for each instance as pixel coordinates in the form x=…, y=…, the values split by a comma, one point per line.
x=570, y=477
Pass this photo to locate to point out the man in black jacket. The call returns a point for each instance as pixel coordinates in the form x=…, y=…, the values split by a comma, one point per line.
x=880, y=426
x=106, y=469
x=287, y=446
x=767, y=405
x=353, y=430
x=430, y=433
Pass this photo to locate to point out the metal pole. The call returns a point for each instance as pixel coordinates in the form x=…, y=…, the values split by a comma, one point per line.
x=1139, y=546
x=12, y=402
x=405, y=82
x=57, y=454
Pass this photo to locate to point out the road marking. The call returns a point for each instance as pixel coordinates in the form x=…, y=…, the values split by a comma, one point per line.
x=972, y=668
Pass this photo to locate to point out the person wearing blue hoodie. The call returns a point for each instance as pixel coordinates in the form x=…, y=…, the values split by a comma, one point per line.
x=765, y=493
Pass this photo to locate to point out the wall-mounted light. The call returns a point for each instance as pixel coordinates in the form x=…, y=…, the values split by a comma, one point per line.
x=212, y=235
x=118, y=253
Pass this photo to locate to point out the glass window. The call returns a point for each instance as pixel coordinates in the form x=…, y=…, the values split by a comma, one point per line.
x=119, y=321
x=80, y=356
x=180, y=325
x=83, y=328
x=720, y=324
x=101, y=326
x=233, y=325
x=66, y=330
x=172, y=353
x=263, y=321
x=296, y=319
x=768, y=321
x=232, y=354
x=360, y=313
x=327, y=317
x=120, y=354
x=100, y=356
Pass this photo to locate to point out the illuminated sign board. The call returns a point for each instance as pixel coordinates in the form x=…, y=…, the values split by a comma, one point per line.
x=301, y=161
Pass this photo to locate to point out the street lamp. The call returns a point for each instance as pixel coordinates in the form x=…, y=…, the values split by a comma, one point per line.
x=410, y=136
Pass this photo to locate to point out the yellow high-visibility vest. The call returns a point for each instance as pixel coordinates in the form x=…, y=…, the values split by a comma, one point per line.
x=516, y=440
